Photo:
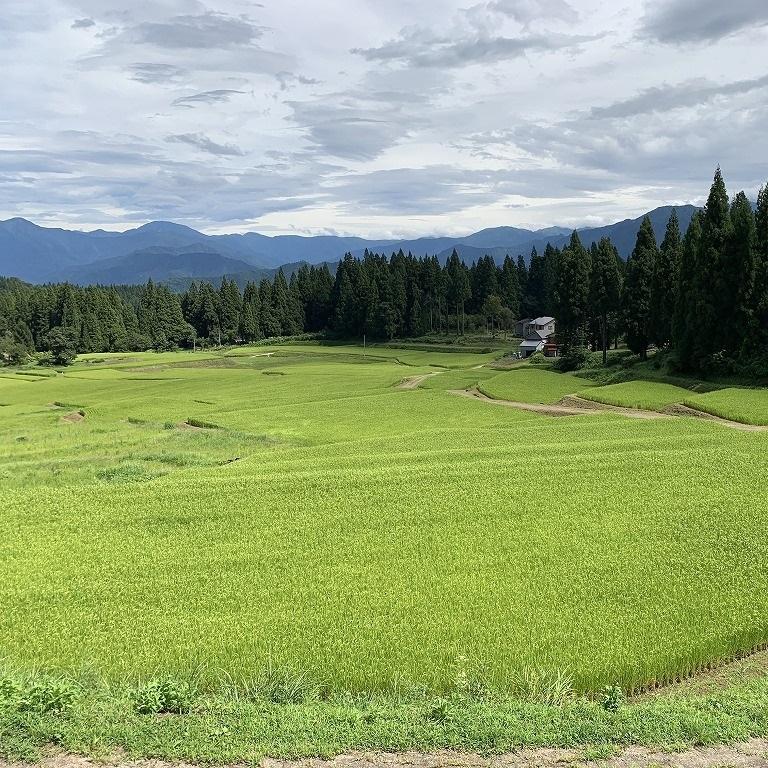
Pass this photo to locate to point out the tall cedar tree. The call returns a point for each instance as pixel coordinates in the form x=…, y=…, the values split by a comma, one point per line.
x=637, y=290
x=758, y=335
x=509, y=287
x=536, y=289
x=684, y=317
x=250, y=329
x=716, y=234
x=522, y=281
x=666, y=276
x=459, y=289
x=604, y=289
x=573, y=294
x=229, y=310
x=551, y=256
x=738, y=277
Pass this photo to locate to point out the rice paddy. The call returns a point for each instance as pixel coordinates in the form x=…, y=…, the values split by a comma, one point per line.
x=533, y=385
x=749, y=406
x=648, y=395
x=299, y=510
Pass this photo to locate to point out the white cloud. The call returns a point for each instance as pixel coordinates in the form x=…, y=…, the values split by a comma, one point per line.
x=449, y=116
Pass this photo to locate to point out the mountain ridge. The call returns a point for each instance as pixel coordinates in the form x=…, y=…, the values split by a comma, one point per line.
x=41, y=254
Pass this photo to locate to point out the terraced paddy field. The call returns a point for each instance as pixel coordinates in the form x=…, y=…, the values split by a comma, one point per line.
x=650, y=395
x=291, y=506
x=749, y=406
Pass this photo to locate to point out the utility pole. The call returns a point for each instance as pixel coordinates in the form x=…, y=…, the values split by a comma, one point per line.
x=363, y=345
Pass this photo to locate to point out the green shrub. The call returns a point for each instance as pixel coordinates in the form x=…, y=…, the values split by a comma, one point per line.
x=577, y=359
x=612, y=697
x=39, y=695
x=164, y=696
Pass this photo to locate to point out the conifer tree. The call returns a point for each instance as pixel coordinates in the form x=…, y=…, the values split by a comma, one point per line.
x=458, y=288
x=536, y=289
x=737, y=277
x=230, y=305
x=665, y=282
x=573, y=294
x=250, y=329
x=604, y=289
x=758, y=336
x=637, y=290
x=551, y=256
x=522, y=281
x=684, y=317
x=509, y=287
x=716, y=234
x=268, y=320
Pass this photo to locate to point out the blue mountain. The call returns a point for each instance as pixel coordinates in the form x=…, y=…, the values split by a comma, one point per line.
x=164, y=250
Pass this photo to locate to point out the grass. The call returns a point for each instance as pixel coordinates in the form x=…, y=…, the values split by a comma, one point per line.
x=749, y=406
x=367, y=538
x=648, y=395
x=220, y=726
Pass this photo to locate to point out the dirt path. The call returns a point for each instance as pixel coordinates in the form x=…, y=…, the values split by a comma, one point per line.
x=570, y=406
x=683, y=410
x=749, y=754
x=573, y=401
x=413, y=381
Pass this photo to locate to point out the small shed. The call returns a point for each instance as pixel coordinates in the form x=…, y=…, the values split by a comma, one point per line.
x=531, y=345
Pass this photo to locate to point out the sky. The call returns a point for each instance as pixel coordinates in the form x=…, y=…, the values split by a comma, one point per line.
x=378, y=118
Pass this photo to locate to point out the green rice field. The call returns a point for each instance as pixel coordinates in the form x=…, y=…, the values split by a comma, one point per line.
x=647, y=395
x=532, y=385
x=292, y=506
x=749, y=406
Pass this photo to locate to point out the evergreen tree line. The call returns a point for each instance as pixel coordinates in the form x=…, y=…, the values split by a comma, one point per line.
x=703, y=294
x=66, y=319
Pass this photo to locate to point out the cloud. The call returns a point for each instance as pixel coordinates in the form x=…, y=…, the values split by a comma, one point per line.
x=348, y=131
x=83, y=23
x=414, y=50
x=208, y=30
x=287, y=79
x=527, y=11
x=206, y=97
x=155, y=73
x=441, y=189
x=700, y=21
x=202, y=142
x=208, y=41
x=446, y=124
x=667, y=97
x=635, y=150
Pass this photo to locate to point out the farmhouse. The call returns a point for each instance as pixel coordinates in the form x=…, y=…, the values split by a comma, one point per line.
x=538, y=336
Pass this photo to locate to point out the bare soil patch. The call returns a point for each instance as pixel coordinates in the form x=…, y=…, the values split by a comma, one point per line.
x=73, y=418
x=412, y=382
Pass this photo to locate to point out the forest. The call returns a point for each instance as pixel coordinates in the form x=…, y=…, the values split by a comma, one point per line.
x=701, y=294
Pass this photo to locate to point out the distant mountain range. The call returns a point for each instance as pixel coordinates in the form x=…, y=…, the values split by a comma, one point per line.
x=177, y=254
